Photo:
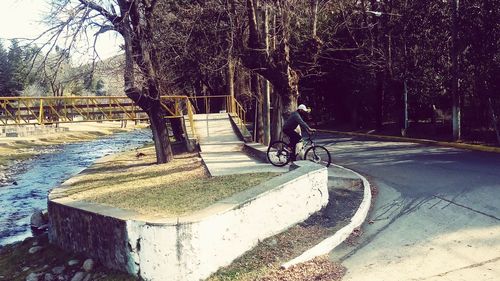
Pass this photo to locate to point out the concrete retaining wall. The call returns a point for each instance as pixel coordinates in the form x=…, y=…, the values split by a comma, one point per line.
x=26, y=131
x=191, y=247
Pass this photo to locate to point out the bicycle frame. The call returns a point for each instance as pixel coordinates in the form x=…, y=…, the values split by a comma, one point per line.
x=307, y=142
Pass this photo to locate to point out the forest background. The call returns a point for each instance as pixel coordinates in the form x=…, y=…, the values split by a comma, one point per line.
x=417, y=68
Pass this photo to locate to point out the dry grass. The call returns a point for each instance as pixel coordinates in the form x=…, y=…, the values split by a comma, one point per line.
x=178, y=187
x=264, y=261
x=320, y=268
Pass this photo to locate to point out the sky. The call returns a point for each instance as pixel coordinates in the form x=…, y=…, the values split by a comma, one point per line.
x=23, y=19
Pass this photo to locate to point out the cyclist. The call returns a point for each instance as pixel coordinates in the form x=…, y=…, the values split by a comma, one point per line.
x=296, y=119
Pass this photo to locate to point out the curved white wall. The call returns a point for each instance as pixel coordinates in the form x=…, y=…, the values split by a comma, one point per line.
x=195, y=246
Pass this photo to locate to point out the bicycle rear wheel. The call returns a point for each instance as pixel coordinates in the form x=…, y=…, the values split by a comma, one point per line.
x=278, y=153
x=318, y=154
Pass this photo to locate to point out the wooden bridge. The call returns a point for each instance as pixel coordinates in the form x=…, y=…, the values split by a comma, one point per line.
x=17, y=111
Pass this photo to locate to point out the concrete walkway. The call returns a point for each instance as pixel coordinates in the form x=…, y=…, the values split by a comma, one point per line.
x=221, y=149
x=222, y=152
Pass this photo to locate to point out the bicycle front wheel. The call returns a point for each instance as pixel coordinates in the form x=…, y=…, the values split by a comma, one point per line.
x=318, y=154
x=278, y=153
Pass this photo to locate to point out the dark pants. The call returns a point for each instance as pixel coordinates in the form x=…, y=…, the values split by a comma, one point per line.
x=294, y=139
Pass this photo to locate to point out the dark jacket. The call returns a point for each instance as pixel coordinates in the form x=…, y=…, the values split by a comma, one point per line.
x=295, y=120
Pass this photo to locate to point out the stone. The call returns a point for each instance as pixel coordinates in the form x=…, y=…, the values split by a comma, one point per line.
x=37, y=219
x=49, y=277
x=33, y=277
x=25, y=268
x=35, y=243
x=73, y=262
x=58, y=269
x=272, y=242
x=45, y=215
x=88, y=265
x=78, y=276
x=35, y=249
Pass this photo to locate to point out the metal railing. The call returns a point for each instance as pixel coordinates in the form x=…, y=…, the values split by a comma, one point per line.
x=49, y=110
x=219, y=104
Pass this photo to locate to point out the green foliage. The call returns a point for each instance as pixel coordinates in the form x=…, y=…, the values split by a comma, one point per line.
x=13, y=68
x=99, y=88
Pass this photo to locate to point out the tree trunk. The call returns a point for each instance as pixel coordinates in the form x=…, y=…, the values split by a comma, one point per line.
x=137, y=33
x=456, y=114
x=274, y=66
x=494, y=119
x=266, y=102
x=258, y=121
x=160, y=135
x=314, y=18
x=230, y=83
x=276, y=118
x=178, y=129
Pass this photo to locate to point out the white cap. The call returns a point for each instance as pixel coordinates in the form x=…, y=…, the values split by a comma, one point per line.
x=303, y=107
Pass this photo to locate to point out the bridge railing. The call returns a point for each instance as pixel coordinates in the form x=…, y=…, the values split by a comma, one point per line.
x=49, y=110
x=218, y=104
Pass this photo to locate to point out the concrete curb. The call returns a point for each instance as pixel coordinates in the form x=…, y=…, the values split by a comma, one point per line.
x=256, y=150
x=327, y=245
x=467, y=146
x=242, y=133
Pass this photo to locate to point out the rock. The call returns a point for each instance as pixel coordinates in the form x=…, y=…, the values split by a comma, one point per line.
x=88, y=265
x=35, y=249
x=35, y=243
x=43, y=227
x=37, y=219
x=14, y=183
x=58, y=269
x=33, y=276
x=272, y=242
x=45, y=215
x=88, y=277
x=25, y=269
x=73, y=262
x=49, y=277
x=79, y=276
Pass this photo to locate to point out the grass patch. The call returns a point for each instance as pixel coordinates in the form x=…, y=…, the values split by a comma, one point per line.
x=131, y=181
x=264, y=261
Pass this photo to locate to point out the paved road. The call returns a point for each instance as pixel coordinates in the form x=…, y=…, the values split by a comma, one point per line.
x=437, y=215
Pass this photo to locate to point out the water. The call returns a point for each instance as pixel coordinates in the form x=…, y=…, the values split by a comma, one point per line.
x=40, y=175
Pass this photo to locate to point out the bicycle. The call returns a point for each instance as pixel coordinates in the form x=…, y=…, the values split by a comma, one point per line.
x=278, y=152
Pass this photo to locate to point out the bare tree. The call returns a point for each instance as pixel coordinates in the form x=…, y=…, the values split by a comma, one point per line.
x=73, y=20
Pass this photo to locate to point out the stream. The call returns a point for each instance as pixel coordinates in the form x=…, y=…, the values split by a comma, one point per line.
x=27, y=190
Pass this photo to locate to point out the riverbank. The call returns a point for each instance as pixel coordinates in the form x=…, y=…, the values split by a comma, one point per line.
x=15, y=151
